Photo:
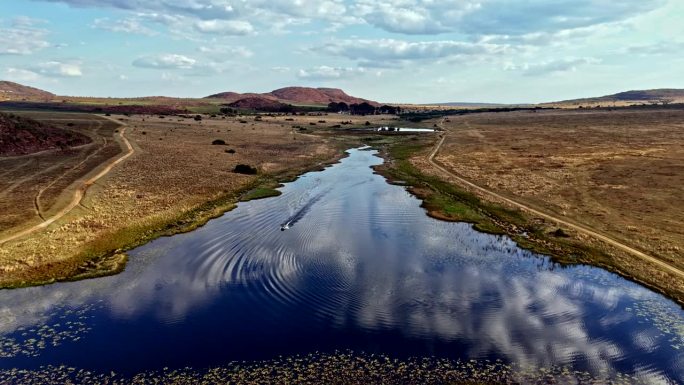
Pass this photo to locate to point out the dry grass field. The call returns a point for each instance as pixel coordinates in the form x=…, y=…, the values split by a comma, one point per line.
x=175, y=179
x=619, y=172
x=35, y=185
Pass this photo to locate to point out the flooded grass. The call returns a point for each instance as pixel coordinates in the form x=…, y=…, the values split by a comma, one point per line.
x=260, y=193
x=341, y=368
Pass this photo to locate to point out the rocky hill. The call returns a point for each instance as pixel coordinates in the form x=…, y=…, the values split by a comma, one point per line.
x=260, y=103
x=21, y=136
x=16, y=91
x=298, y=95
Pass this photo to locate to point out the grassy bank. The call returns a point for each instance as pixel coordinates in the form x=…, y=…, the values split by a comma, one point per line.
x=447, y=201
x=106, y=254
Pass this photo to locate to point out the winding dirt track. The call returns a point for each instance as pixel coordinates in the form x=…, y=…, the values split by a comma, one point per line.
x=576, y=227
x=80, y=192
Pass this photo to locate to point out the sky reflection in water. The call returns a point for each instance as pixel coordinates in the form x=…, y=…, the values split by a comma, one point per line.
x=360, y=267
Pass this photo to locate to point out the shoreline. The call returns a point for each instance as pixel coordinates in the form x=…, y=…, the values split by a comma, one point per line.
x=449, y=202
x=110, y=258
x=440, y=199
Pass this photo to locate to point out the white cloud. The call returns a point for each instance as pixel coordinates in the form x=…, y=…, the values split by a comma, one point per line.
x=329, y=73
x=659, y=48
x=552, y=66
x=392, y=51
x=496, y=17
x=19, y=74
x=165, y=61
x=25, y=22
x=128, y=25
x=224, y=27
x=220, y=52
x=58, y=69
x=22, y=37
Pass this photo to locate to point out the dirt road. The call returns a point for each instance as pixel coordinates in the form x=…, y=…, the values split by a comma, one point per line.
x=80, y=192
x=576, y=227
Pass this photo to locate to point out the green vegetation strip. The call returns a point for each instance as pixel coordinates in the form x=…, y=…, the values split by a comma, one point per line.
x=447, y=201
x=450, y=202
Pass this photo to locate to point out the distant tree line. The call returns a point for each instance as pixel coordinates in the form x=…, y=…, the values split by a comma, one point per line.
x=363, y=109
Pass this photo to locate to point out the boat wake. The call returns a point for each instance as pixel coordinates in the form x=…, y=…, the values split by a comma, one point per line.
x=299, y=214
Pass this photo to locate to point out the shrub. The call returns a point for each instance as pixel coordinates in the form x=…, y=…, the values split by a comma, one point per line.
x=219, y=142
x=198, y=117
x=560, y=233
x=245, y=169
x=231, y=151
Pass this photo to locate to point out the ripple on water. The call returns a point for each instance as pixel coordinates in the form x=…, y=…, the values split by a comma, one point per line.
x=360, y=267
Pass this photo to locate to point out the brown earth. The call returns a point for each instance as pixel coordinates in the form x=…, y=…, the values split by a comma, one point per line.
x=16, y=91
x=21, y=136
x=33, y=186
x=230, y=97
x=96, y=108
x=175, y=180
x=618, y=173
x=258, y=103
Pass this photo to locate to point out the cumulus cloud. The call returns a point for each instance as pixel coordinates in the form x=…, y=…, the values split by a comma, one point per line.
x=165, y=61
x=224, y=53
x=496, y=17
x=224, y=27
x=537, y=22
x=128, y=25
x=552, y=66
x=329, y=73
x=218, y=12
x=392, y=51
x=58, y=69
x=22, y=37
x=20, y=74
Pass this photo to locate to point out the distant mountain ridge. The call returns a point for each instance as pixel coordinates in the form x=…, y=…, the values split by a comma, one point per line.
x=661, y=95
x=297, y=95
x=15, y=91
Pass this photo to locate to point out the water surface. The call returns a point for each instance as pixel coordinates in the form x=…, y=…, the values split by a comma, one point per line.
x=342, y=261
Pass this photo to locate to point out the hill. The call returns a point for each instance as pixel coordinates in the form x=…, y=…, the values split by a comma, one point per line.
x=654, y=96
x=16, y=91
x=260, y=103
x=298, y=95
x=21, y=136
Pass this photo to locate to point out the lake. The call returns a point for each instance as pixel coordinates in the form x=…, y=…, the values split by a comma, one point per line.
x=342, y=261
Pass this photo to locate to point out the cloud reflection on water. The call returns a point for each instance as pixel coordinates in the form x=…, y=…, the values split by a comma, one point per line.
x=366, y=257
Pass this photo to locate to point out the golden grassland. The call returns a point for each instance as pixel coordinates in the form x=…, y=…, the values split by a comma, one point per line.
x=618, y=172
x=175, y=181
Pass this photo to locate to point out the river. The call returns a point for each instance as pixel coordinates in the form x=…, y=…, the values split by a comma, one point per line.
x=343, y=261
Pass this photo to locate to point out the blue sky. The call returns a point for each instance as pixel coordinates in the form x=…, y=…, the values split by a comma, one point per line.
x=416, y=51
